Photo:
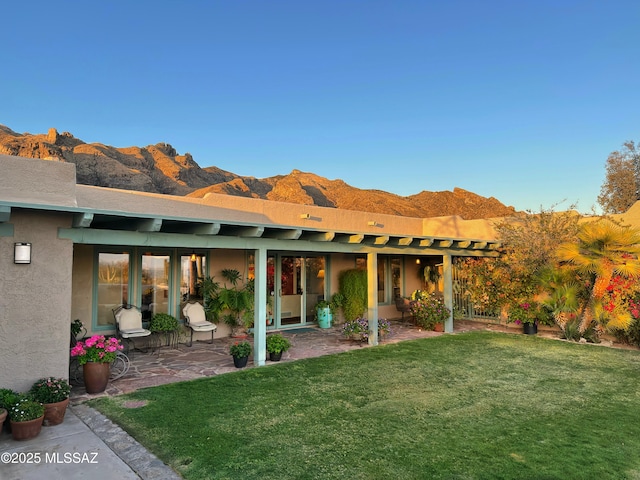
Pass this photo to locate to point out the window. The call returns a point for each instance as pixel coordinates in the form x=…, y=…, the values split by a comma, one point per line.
x=155, y=285
x=389, y=284
x=192, y=271
x=113, y=286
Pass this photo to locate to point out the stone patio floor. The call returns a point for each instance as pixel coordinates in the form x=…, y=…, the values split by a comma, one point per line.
x=168, y=365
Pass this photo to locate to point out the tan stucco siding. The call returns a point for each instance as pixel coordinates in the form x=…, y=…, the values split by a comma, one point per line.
x=35, y=304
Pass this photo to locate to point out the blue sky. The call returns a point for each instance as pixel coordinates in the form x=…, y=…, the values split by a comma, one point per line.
x=520, y=100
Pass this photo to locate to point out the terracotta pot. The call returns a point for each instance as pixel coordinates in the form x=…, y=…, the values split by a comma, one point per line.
x=3, y=417
x=54, y=412
x=26, y=430
x=240, y=362
x=96, y=376
x=438, y=327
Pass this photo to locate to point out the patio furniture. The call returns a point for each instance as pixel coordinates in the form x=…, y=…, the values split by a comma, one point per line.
x=196, y=320
x=403, y=305
x=129, y=324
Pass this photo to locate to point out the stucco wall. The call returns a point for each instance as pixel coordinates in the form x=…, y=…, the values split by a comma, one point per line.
x=35, y=301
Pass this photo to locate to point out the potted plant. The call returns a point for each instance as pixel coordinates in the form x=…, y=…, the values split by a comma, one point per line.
x=53, y=393
x=527, y=314
x=76, y=329
x=7, y=398
x=3, y=417
x=232, y=302
x=240, y=352
x=276, y=345
x=358, y=329
x=95, y=355
x=165, y=324
x=26, y=416
x=428, y=309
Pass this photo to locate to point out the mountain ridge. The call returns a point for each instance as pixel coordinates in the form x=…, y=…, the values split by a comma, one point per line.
x=160, y=169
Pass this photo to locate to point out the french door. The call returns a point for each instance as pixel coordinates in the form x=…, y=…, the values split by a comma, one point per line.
x=298, y=284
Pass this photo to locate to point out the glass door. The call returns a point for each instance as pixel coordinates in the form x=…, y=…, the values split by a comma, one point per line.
x=291, y=290
x=299, y=282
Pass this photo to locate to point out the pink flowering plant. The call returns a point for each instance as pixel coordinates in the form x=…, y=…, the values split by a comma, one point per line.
x=528, y=312
x=97, y=349
x=50, y=390
x=428, y=309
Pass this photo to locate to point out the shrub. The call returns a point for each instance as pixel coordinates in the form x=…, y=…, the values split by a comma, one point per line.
x=163, y=322
x=353, y=288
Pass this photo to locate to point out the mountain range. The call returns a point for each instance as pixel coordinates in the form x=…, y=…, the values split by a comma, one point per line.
x=160, y=169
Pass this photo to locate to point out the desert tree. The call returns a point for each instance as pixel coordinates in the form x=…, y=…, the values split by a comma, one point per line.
x=621, y=187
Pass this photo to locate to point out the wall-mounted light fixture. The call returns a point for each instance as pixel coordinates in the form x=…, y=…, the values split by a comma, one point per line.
x=417, y=261
x=193, y=257
x=305, y=215
x=372, y=223
x=22, y=253
x=321, y=273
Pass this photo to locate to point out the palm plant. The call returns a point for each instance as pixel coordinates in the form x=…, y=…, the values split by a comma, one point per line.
x=603, y=249
x=232, y=302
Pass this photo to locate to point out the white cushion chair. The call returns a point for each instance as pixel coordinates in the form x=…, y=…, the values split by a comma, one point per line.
x=196, y=320
x=129, y=323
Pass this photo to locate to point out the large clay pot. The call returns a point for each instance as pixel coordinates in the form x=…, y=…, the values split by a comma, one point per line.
x=96, y=376
x=26, y=430
x=54, y=412
x=3, y=417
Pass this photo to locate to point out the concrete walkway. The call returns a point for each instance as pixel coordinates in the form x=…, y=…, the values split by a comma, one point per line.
x=88, y=445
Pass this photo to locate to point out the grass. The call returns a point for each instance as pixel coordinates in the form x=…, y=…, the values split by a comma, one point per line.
x=478, y=405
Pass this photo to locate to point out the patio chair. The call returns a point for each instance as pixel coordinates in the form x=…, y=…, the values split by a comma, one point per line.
x=196, y=320
x=129, y=324
x=403, y=305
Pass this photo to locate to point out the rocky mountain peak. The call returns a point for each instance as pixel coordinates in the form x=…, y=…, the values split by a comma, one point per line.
x=160, y=168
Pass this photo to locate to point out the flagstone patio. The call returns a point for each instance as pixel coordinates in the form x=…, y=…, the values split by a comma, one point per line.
x=168, y=365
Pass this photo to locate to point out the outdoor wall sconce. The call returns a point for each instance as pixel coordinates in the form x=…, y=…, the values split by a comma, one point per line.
x=305, y=215
x=372, y=223
x=417, y=261
x=193, y=257
x=22, y=253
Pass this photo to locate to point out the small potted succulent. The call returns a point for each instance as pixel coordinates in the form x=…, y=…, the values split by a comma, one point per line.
x=53, y=393
x=240, y=352
x=26, y=416
x=276, y=345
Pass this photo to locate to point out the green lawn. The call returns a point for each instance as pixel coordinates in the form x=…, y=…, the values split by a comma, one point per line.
x=477, y=405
